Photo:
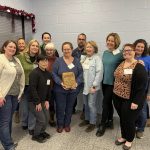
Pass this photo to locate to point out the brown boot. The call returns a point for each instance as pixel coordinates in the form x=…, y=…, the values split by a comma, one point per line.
x=16, y=117
x=84, y=123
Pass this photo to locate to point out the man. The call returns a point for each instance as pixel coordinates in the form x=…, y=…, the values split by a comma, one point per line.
x=46, y=38
x=81, y=41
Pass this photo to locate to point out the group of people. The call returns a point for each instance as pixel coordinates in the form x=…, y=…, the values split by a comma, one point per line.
x=32, y=87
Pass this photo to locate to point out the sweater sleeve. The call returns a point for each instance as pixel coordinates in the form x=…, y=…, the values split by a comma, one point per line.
x=79, y=79
x=33, y=83
x=55, y=75
x=139, y=80
x=99, y=72
x=1, y=69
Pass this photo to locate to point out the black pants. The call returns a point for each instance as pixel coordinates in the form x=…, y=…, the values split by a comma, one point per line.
x=127, y=116
x=42, y=118
x=107, y=113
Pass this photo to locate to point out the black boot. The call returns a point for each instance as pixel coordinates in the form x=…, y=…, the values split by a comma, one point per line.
x=52, y=122
x=101, y=130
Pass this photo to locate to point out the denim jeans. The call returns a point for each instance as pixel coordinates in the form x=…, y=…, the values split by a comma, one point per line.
x=6, y=114
x=90, y=107
x=26, y=116
x=64, y=107
x=141, y=121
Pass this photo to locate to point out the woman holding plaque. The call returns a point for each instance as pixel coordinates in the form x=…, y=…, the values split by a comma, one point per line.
x=93, y=73
x=66, y=68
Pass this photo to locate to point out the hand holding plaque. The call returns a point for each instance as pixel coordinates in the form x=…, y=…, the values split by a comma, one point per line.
x=69, y=81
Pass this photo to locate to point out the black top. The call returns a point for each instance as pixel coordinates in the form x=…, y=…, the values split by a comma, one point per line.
x=39, y=84
x=139, y=80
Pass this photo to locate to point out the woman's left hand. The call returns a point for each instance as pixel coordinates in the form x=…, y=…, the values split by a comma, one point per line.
x=134, y=106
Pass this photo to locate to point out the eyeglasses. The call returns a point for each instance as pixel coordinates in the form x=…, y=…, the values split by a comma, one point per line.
x=127, y=50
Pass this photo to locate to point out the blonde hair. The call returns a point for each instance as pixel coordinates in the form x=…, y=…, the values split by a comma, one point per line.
x=50, y=46
x=30, y=43
x=93, y=44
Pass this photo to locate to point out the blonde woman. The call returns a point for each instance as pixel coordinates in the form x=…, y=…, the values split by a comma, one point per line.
x=28, y=61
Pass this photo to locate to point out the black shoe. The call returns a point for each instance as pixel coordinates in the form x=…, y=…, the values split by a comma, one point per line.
x=31, y=132
x=109, y=124
x=119, y=143
x=24, y=127
x=39, y=139
x=101, y=130
x=45, y=135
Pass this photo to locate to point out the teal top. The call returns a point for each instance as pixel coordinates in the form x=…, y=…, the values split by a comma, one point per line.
x=110, y=63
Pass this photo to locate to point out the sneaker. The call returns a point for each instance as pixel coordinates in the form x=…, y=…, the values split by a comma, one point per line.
x=16, y=117
x=90, y=128
x=84, y=123
x=139, y=134
x=101, y=130
x=109, y=124
x=39, y=138
x=45, y=135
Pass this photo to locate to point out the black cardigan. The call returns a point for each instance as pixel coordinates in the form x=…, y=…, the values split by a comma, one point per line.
x=40, y=89
x=138, y=85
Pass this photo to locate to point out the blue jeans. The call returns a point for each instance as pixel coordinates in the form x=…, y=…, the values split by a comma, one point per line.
x=6, y=114
x=90, y=107
x=26, y=116
x=141, y=121
x=64, y=107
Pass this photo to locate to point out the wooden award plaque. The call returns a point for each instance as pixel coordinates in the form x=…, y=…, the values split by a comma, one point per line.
x=68, y=79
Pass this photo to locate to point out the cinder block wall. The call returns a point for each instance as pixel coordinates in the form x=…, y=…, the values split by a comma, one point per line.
x=64, y=19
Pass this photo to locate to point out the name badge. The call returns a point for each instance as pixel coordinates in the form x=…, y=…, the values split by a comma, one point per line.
x=115, y=52
x=12, y=64
x=48, y=82
x=85, y=66
x=128, y=71
x=70, y=66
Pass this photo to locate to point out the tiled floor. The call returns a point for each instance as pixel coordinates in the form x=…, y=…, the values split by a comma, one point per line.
x=77, y=139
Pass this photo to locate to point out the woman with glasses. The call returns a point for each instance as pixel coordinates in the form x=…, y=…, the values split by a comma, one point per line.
x=129, y=94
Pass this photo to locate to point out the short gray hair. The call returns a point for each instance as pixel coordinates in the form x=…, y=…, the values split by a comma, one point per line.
x=50, y=46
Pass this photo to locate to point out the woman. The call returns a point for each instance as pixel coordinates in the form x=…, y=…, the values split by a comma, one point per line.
x=141, y=53
x=129, y=94
x=21, y=48
x=46, y=38
x=111, y=59
x=11, y=90
x=93, y=72
x=64, y=96
x=21, y=44
x=39, y=97
x=28, y=61
x=50, y=52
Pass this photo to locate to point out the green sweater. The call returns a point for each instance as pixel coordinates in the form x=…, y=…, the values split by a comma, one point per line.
x=110, y=63
x=27, y=65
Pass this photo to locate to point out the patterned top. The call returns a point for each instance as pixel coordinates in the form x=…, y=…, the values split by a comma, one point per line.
x=122, y=84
